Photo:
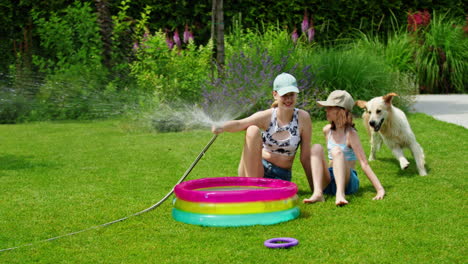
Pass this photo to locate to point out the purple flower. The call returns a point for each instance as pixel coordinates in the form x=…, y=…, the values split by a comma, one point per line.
x=135, y=46
x=310, y=34
x=188, y=35
x=294, y=35
x=169, y=42
x=305, y=23
x=177, y=39
x=311, y=31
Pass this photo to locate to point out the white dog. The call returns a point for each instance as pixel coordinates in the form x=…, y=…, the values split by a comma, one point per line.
x=387, y=122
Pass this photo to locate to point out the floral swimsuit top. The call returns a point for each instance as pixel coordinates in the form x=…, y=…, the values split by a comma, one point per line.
x=288, y=146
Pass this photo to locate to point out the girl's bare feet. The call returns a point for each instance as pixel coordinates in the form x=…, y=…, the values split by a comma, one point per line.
x=315, y=198
x=341, y=201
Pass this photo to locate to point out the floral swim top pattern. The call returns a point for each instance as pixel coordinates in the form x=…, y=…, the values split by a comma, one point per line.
x=288, y=146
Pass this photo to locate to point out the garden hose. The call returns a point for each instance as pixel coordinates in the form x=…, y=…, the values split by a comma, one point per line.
x=187, y=172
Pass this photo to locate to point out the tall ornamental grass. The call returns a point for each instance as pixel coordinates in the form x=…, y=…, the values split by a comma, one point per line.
x=441, y=57
x=396, y=49
x=364, y=75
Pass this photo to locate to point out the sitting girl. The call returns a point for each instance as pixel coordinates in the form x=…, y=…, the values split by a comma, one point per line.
x=273, y=136
x=344, y=148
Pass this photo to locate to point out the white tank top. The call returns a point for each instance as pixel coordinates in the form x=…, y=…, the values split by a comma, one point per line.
x=288, y=146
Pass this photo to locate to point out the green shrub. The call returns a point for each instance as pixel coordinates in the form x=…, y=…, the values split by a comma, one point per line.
x=171, y=74
x=68, y=94
x=76, y=84
x=13, y=106
x=69, y=38
x=72, y=63
x=270, y=38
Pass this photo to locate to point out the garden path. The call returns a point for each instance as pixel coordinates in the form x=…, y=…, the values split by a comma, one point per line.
x=452, y=108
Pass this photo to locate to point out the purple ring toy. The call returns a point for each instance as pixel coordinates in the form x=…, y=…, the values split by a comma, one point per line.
x=281, y=242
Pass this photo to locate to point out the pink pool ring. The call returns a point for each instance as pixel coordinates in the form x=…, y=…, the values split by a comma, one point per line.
x=221, y=201
x=256, y=189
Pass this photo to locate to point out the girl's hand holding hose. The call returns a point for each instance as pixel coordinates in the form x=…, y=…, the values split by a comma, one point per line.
x=217, y=130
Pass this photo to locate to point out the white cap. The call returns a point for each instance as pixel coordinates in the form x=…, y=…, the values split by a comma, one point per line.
x=285, y=83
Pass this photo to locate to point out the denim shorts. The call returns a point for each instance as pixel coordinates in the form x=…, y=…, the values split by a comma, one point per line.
x=272, y=171
x=352, y=187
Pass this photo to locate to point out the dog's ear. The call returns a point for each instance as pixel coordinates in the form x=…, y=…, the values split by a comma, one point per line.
x=361, y=104
x=388, y=98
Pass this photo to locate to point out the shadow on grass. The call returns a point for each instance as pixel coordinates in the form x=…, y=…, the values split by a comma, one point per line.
x=302, y=192
x=409, y=172
x=304, y=214
x=359, y=193
x=13, y=162
x=370, y=189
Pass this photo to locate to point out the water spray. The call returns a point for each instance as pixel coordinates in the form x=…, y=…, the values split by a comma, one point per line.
x=187, y=172
x=190, y=116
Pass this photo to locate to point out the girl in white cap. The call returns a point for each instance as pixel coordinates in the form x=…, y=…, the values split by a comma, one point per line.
x=273, y=136
x=344, y=148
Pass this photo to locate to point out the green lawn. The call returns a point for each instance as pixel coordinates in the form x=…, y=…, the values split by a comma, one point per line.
x=57, y=178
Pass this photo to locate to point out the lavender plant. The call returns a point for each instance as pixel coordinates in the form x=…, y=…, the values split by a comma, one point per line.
x=246, y=84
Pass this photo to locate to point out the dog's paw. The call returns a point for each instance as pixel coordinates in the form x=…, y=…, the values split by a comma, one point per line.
x=422, y=173
x=404, y=164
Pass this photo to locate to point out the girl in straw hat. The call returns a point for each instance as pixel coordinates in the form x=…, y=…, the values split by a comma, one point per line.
x=344, y=149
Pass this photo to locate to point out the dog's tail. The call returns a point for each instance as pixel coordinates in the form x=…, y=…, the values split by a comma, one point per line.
x=365, y=116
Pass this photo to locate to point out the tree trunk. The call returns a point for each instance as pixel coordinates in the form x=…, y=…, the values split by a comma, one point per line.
x=23, y=60
x=217, y=34
x=105, y=24
x=220, y=35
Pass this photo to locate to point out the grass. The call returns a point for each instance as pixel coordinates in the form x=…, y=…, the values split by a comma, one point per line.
x=61, y=177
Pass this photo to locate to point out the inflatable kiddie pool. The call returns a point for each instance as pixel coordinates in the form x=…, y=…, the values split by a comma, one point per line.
x=235, y=201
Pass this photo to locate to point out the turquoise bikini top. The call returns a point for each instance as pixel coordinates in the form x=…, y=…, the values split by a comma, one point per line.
x=348, y=152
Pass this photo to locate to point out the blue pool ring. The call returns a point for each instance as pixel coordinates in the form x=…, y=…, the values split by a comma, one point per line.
x=281, y=242
x=235, y=220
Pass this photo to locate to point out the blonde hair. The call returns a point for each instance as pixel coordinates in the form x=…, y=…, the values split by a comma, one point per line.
x=344, y=118
x=274, y=104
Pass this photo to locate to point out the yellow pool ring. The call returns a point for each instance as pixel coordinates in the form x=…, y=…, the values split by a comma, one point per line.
x=236, y=208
